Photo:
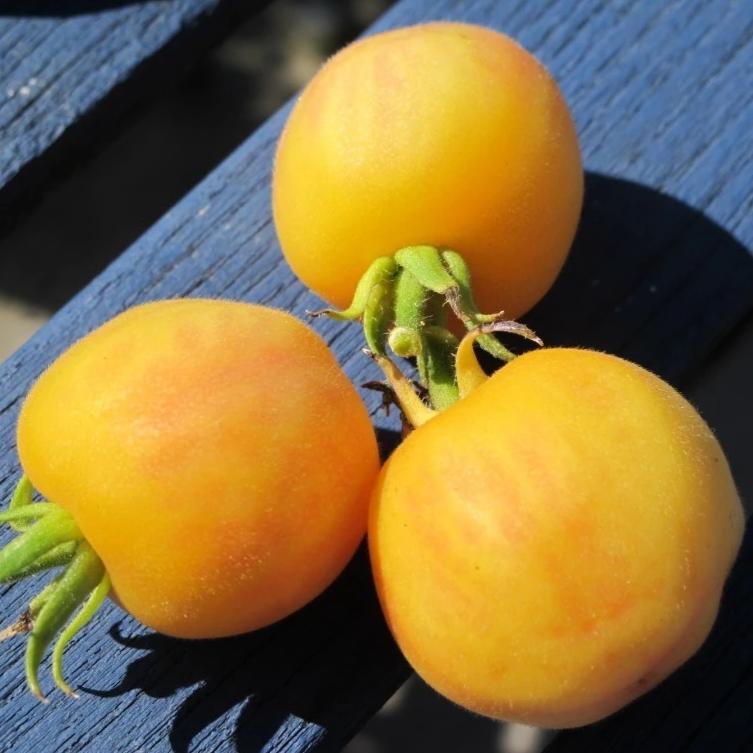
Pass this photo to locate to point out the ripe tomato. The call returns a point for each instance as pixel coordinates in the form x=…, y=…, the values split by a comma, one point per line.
x=555, y=543
x=213, y=455
x=445, y=134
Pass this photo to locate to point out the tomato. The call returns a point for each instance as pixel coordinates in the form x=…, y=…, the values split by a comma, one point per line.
x=213, y=455
x=556, y=542
x=443, y=134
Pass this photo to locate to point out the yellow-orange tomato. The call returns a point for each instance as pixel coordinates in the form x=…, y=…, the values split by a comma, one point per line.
x=212, y=453
x=444, y=134
x=556, y=543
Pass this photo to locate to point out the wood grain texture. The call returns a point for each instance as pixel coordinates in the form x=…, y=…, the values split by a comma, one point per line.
x=660, y=272
x=70, y=69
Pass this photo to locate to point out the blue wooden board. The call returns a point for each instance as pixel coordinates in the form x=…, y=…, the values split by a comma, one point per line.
x=663, y=98
x=70, y=69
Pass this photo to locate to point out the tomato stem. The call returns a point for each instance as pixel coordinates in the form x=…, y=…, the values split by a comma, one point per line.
x=426, y=265
x=415, y=410
x=403, y=302
x=22, y=496
x=382, y=269
x=93, y=570
x=49, y=538
x=378, y=315
x=439, y=346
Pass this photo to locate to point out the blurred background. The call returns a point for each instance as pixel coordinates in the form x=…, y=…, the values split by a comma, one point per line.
x=89, y=218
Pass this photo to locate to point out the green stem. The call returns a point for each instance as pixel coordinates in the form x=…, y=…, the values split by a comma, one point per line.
x=439, y=346
x=22, y=497
x=405, y=339
x=36, y=604
x=26, y=513
x=410, y=300
x=406, y=343
x=58, y=556
x=87, y=611
x=79, y=579
x=56, y=527
x=403, y=302
x=378, y=315
x=381, y=270
x=425, y=264
x=51, y=540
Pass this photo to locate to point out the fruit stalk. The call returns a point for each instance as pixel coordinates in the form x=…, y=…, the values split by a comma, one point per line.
x=403, y=302
x=48, y=539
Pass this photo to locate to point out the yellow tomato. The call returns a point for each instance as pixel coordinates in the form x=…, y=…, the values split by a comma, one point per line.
x=214, y=456
x=555, y=543
x=443, y=134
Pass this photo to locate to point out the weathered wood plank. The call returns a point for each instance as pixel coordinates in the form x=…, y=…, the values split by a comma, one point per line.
x=660, y=273
x=69, y=70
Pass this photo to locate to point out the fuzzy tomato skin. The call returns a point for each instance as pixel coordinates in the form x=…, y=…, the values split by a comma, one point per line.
x=445, y=134
x=214, y=455
x=555, y=544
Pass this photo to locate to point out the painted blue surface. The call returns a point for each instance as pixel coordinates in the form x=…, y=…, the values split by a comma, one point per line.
x=663, y=97
x=67, y=73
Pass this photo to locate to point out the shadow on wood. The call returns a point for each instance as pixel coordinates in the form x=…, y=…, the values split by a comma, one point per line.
x=649, y=278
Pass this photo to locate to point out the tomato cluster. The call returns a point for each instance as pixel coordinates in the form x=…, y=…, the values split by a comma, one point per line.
x=547, y=543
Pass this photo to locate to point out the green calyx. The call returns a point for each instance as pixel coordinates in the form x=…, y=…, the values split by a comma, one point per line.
x=49, y=539
x=404, y=302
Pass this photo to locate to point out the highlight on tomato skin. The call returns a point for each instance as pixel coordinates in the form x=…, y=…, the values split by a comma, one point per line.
x=208, y=459
x=443, y=134
x=555, y=543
